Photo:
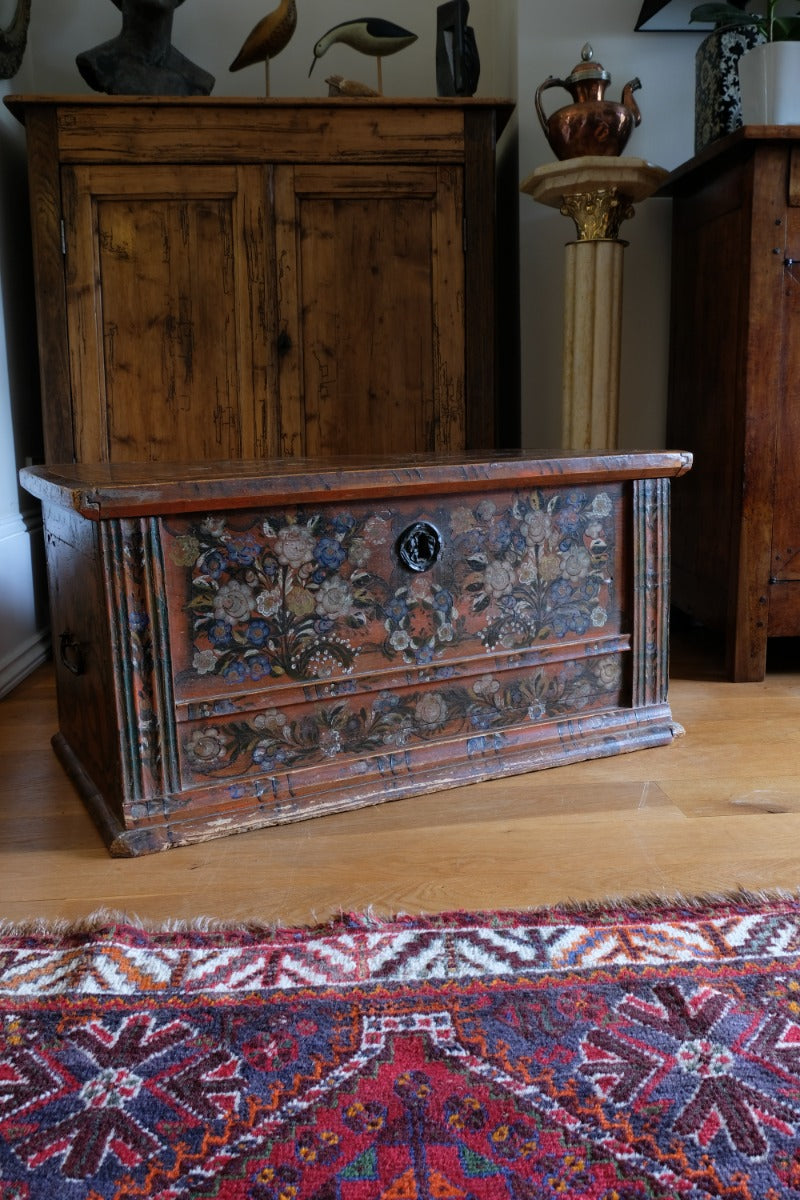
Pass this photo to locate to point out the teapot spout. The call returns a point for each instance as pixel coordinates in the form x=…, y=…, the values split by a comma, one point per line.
x=629, y=102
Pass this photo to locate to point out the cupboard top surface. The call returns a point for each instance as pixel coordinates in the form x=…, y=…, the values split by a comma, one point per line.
x=205, y=129
x=718, y=155
x=20, y=101
x=106, y=490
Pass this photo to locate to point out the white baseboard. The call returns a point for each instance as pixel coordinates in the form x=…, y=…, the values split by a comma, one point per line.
x=14, y=667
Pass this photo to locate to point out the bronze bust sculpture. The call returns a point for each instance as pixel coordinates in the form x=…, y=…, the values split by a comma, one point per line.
x=141, y=60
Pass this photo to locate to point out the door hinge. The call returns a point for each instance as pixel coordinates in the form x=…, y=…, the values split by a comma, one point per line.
x=63, y=238
x=464, y=234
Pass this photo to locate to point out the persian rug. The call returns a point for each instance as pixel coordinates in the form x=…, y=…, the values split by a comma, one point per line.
x=637, y=1052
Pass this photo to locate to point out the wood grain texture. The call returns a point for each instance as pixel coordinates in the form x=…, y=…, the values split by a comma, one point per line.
x=732, y=390
x=102, y=490
x=51, y=305
x=262, y=278
x=719, y=809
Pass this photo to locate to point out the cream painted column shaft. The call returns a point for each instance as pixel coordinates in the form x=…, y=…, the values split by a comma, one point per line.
x=592, y=344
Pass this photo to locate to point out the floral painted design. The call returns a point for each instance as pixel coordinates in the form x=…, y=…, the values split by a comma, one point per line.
x=302, y=594
x=276, y=739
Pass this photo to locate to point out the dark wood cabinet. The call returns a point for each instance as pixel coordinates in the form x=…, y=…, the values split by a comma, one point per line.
x=232, y=279
x=734, y=398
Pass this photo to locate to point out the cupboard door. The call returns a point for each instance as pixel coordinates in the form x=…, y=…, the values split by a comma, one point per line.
x=169, y=312
x=371, y=308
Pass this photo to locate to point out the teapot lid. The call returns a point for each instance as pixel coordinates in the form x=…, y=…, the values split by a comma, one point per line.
x=587, y=69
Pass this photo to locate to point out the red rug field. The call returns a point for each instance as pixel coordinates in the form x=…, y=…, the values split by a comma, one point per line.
x=630, y=1053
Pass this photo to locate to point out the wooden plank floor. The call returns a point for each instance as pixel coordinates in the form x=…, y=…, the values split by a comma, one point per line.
x=716, y=810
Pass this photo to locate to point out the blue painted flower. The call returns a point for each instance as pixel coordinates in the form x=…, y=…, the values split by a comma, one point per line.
x=138, y=621
x=260, y=668
x=219, y=633
x=264, y=755
x=235, y=672
x=560, y=624
x=397, y=609
x=560, y=591
x=500, y=536
x=344, y=522
x=257, y=632
x=244, y=550
x=330, y=553
x=214, y=563
x=443, y=600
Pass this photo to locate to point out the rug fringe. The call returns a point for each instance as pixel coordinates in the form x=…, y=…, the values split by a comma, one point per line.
x=105, y=920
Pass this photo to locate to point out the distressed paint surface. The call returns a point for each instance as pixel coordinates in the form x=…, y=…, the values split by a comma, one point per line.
x=275, y=662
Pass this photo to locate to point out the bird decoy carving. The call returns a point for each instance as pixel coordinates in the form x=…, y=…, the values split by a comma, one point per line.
x=266, y=39
x=339, y=86
x=368, y=35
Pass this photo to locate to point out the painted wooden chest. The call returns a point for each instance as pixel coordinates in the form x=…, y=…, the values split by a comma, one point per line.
x=243, y=644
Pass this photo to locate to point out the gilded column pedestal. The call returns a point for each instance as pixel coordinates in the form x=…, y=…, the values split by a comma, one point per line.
x=598, y=193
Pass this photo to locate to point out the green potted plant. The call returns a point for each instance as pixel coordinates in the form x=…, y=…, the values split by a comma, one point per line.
x=769, y=71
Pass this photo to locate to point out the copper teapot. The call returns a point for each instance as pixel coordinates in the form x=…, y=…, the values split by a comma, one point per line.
x=591, y=124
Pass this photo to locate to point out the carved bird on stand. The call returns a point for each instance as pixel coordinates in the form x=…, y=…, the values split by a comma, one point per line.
x=368, y=35
x=266, y=39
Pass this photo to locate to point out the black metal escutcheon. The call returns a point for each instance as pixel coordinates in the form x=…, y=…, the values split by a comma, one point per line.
x=419, y=546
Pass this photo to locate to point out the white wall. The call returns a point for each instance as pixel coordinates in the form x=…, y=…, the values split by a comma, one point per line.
x=24, y=635
x=520, y=43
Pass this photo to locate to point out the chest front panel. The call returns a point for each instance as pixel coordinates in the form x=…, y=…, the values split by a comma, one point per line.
x=517, y=614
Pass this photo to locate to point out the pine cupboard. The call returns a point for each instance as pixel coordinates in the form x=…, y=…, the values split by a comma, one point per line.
x=223, y=279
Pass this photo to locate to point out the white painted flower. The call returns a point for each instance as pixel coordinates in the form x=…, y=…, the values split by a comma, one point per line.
x=271, y=719
x=420, y=591
x=499, y=577
x=527, y=569
x=599, y=617
x=537, y=528
x=399, y=639
x=213, y=526
x=204, y=661
x=608, y=671
x=486, y=686
x=233, y=602
x=294, y=546
x=334, y=598
x=486, y=510
x=431, y=710
x=207, y=746
x=576, y=563
x=269, y=601
x=445, y=633
x=601, y=505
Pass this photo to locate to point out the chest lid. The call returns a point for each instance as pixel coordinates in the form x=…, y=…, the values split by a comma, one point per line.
x=101, y=491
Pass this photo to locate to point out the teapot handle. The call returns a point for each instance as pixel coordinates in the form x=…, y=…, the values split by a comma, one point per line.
x=551, y=81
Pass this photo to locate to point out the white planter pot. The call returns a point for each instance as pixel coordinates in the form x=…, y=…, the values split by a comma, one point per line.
x=769, y=81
